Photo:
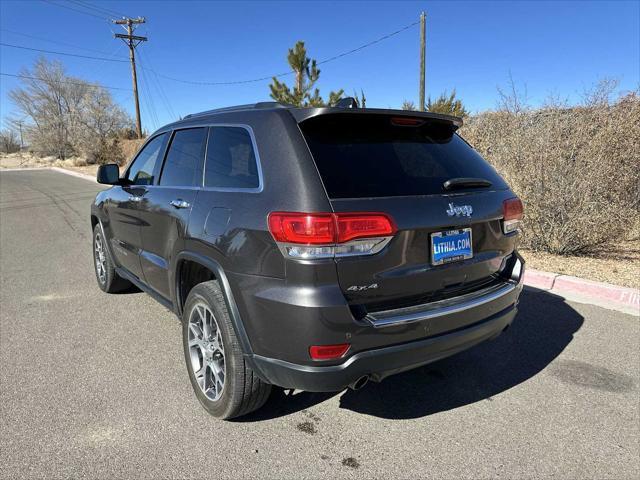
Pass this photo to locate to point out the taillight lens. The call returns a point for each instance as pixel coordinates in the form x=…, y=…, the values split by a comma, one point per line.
x=354, y=225
x=321, y=235
x=328, y=352
x=303, y=228
x=513, y=212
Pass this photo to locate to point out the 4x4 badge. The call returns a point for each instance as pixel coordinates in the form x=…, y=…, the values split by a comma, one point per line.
x=462, y=210
x=360, y=288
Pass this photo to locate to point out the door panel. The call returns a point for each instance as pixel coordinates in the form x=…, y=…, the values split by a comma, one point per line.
x=163, y=230
x=127, y=203
x=166, y=208
x=124, y=214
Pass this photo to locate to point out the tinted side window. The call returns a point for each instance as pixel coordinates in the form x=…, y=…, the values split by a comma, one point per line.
x=183, y=165
x=231, y=160
x=142, y=168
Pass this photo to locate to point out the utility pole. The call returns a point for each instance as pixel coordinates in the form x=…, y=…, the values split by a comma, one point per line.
x=132, y=41
x=423, y=54
x=20, y=128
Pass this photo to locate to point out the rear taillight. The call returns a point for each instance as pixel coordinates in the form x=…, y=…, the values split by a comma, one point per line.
x=322, y=235
x=351, y=226
x=304, y=228
x=328, y=352
x=513, y=212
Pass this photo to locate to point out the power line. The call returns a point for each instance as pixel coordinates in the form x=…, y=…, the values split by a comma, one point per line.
x=56, y=42
x=158, y=84
x=89, y=85
x=327, y=60
x=98, y=9
x=235, y=82
x=75, y=10
x=362, y=47
x=63, y=53
x=148, y=100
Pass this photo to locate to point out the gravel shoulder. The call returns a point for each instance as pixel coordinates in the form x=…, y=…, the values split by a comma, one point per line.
x=618, y=265
x=26, y=160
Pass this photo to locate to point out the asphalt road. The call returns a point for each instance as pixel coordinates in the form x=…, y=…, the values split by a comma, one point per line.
x=95, y=384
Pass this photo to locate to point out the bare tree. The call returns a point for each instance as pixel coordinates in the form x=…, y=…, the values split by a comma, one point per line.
x=512, y=99
x=67, y=115
x=9, y=141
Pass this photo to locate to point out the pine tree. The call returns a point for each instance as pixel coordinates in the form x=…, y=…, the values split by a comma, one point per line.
x=361, y=100
x=408, y=105
x=306, y=75
x=447, y=104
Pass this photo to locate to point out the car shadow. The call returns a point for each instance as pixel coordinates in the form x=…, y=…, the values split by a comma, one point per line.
x=543, y=328
x=129, y=290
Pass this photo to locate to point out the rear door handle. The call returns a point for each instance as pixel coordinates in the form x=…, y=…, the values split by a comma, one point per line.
x=179, y=203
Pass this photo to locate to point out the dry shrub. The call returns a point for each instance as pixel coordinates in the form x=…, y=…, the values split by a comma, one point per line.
x=105, y=150
x=576, y=168
x=130, y=148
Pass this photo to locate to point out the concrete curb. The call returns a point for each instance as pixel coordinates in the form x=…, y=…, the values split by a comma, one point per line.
x=75, y=174
x=585, y=291
x=56, y=169
x=23, y=169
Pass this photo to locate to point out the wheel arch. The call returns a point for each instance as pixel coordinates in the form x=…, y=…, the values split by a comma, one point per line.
x=219, y=275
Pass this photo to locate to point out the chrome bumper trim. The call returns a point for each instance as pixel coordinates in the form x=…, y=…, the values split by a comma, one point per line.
x=418, y=313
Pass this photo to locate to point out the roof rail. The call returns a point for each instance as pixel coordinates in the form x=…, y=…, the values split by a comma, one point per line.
x=248, y=106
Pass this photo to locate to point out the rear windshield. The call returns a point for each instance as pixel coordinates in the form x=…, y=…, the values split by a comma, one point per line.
x=373, y=156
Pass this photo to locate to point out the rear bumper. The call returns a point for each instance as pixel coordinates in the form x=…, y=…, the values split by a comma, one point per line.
x=382, y=344
x=382, y=362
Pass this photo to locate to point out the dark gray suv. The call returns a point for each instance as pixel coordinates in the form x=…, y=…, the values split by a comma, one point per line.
x=311, y=248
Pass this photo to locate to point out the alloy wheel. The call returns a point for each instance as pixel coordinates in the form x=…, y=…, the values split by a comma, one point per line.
x=100, y=259
x=206, y=351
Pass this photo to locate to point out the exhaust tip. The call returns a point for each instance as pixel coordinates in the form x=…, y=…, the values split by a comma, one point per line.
x=359, y=383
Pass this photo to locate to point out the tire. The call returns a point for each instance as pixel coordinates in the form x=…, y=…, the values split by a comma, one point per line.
x=108, y=280
x=221, y=379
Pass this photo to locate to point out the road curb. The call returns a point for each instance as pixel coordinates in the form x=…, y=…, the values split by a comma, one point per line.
x=586, y=291
x=74, y=174
x=55, y=169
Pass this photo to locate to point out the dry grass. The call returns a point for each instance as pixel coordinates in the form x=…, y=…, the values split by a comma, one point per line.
x=619, y=265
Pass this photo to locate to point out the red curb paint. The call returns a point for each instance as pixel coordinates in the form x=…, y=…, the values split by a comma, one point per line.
x=538, y=279
x=603, y=291
x=567, y=285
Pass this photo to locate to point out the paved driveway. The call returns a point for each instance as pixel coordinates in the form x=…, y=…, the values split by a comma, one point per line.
x=95, y=384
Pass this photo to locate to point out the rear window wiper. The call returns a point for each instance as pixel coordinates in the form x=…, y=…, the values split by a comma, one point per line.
x=465, y=182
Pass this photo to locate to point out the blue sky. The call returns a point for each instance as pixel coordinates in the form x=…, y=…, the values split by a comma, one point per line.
x=551, y=47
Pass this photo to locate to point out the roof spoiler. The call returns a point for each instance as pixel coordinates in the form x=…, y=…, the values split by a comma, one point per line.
x=304, y=114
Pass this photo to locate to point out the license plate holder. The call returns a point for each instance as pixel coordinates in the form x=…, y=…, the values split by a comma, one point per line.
x=451, y=246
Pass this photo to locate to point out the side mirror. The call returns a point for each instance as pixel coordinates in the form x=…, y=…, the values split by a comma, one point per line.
x=109, y=174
